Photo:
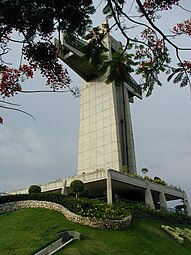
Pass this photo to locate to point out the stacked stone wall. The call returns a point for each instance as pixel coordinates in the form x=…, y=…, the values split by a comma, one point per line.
x=95, y=223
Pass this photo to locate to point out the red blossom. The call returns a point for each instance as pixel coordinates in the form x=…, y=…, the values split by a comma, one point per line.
x=159, y=5
x=187, y=65
x=155, y=49
x=10, y=79
x=183, y=28
x=57, y=77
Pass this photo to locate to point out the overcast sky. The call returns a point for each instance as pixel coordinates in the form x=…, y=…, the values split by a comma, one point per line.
x=34, y=152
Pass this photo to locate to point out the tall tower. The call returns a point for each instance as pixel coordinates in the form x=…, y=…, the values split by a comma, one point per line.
x=106, y=135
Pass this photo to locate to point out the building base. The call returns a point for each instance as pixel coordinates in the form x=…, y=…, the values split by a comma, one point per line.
x=113, y=184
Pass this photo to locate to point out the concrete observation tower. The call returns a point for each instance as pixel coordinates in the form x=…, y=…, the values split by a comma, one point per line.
x=106, y=147
x=106, y=135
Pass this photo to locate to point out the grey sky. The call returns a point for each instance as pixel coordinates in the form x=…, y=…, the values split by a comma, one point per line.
x=39, y=151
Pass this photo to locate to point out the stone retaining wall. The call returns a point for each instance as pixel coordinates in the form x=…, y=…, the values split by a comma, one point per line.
x=104, y=224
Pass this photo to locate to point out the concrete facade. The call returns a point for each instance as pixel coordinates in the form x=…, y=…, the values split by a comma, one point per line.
x=106, y=135
x=99, y=135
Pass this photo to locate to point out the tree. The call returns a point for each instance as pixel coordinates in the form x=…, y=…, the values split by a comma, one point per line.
x=77, y=187
x=152, y=47
x=34, y=189
x=36, y=22
x=144, y=170
x=148, y=53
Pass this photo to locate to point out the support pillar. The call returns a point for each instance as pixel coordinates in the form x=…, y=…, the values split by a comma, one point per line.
x=64, y=189
x=149, y=198
x=109, y=188
x=186, y=203
x=162, y=199
x=130, y=140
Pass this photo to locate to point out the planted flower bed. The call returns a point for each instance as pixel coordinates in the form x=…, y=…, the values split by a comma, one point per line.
x=178, y=234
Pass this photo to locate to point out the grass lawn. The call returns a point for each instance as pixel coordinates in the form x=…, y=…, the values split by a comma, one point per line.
x=25, y=231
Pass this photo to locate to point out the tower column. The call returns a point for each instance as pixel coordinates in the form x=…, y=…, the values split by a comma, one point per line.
x=64, y=189
x=186, y=203
x=109, y=188
x=130, y=139
x=162, y=199
x=149, y=198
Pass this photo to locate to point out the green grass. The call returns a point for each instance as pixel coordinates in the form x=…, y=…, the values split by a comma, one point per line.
x=25, y=231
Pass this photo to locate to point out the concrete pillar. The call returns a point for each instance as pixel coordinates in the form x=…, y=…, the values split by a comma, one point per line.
x=162, y=199
x=130, y=139
x=186, y=203
x=64, y=189
x=109, y=188
x=126, y=140
x=149, y=198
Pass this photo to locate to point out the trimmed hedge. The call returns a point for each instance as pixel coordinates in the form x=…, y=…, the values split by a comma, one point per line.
x=77, y=186
x=99, y=209
x=57, y=198
x=141, y=211
x=34, y=189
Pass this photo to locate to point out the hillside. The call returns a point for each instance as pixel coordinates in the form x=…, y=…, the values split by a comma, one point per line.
x=27, y=230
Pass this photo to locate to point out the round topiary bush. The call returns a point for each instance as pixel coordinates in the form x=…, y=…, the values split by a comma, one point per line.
x=77, y=187
x=34, y=189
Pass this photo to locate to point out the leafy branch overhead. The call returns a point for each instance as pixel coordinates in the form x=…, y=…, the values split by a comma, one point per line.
x=119, y=67
x=149, y=51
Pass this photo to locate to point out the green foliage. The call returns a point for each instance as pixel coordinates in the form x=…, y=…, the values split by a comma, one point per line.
x=179, y=75
x=34, y=189
x=33, y=24
x=119, y=68
x=144, y=170
x=100, y=210
x=159, y=180
x=141, y=211
x=147, y=178
x=57, y=198
x=77, y=186
x=82, y=206
x=156, y=179
x=41, y=17
x=95, y=50
x=84, y=193
x=153, y=62
x=37, y=21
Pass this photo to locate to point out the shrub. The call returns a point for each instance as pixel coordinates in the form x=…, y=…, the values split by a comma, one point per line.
x=99, y=209
x=146, y=178
x=56, y=198
x=84, y=193
x=77, y=187
x=159, y=180
x=34, y=189
x=144, y=170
